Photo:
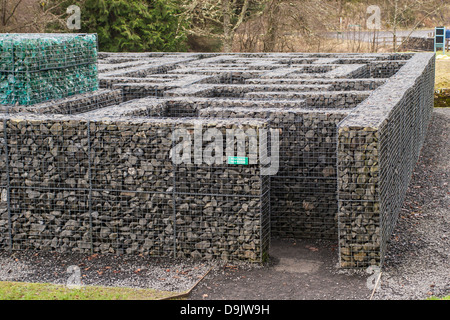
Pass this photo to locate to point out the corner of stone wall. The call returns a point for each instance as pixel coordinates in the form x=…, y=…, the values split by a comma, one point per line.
x=358, y=196
x=377, y=148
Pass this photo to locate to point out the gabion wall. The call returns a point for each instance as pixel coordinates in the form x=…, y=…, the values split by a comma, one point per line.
x=94, y=172
x=378, y=146
x=303, y=191
x=41, y=67
x=110, y=186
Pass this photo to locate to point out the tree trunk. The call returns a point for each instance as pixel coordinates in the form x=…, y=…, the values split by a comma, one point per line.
x=4, y=4
x=227, y=32
x=395, y=26
x=272, y=26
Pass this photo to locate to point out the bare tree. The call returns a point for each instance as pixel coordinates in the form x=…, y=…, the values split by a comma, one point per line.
x=52, y=12
x=30, y=16
x=273, y=25
x=7, y=11
x=218, y=18
x=409, y=14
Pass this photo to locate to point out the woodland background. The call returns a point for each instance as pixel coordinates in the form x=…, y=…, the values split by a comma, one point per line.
x=229, y=25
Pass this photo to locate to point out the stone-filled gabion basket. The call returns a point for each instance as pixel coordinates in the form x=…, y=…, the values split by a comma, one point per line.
x=40, y=67
x=96, y=172
x=111, y=187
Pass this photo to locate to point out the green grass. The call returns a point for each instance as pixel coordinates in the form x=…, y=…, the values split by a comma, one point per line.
x=47, y=291
x=437, y=298
x=447, y=53
x=442, y=82
x=441, y=100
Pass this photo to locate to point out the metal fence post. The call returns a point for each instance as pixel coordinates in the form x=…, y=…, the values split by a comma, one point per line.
x=8, y=186
x=90, y=185
x=174, y=201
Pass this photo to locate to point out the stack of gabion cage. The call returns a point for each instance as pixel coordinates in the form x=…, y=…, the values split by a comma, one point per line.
x=96, y=172
x=41, y=67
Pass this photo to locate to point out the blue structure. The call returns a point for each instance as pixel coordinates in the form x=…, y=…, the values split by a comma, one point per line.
x=439, y=38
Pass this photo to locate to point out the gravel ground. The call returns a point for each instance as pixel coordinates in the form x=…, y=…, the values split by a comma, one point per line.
x=102, y=270
x=416, y=267
x=418, y=261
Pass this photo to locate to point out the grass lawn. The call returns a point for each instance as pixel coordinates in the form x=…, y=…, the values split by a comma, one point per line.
x=436, y=298
x=442, y=81
x=46, y=291
x=442, y=72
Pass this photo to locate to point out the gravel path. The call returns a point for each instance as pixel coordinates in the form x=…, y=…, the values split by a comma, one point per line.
x=418, y=261
x=417, y=265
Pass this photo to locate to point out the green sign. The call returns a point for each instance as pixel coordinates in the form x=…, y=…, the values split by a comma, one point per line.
x=238, y=160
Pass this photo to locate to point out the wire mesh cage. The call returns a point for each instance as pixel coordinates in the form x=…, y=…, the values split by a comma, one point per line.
x=152, y=163
x=42, y=67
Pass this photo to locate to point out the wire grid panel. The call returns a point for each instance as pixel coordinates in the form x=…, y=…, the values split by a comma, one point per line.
x=194, y=106
x=129, y=222
x=37, y=52
x=376, y=156
x=50, y=219
x=180, y=108
x=222, y=208
x=140, y=108
x=131, y=156
x=32, y=88
x=4, y=187
x=4, y=220
x=131, y=91
x=48, y=184
x=359, y=203
x=48, y=154
x=132, y=181
x=110, y=187
x=76, y=104
x=384, y=69
x=303, y=208
x=222, y=227
x=401, y=140
x=33, y=67
x=303, y=191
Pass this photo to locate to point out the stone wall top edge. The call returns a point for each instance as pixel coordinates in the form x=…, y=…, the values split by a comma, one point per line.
x=374, y=110
x=304, y=111
x=163, y=122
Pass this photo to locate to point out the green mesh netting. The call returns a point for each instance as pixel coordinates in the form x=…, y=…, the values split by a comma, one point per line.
x=40, y=67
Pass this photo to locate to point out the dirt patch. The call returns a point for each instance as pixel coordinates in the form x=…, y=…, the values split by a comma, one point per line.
x=297, y=270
